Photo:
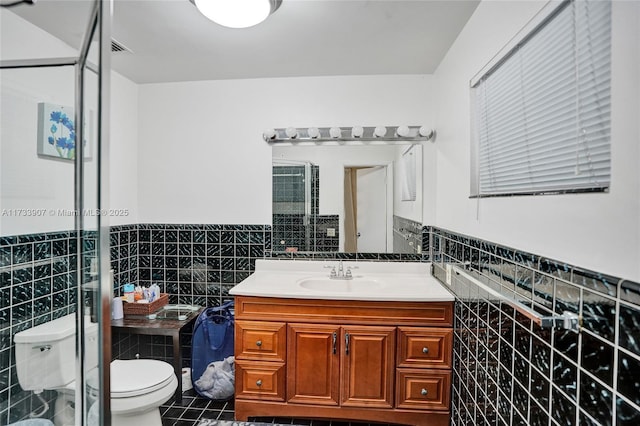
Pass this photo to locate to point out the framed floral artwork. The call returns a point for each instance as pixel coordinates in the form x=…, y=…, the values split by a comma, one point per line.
x=57, y=132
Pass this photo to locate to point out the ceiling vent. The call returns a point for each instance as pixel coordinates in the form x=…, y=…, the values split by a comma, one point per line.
x=117, y=47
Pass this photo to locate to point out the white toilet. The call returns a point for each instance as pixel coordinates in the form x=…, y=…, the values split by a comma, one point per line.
x=45, y=359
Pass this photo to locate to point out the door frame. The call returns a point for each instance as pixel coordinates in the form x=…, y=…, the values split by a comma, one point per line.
x=389, y=197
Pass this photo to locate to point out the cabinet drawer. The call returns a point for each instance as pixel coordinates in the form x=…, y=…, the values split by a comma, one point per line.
x=425, y=347
x=423, y=389
x=260, y=380
x=259, y=340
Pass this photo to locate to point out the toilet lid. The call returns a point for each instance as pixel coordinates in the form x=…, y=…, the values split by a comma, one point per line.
x=138, y=376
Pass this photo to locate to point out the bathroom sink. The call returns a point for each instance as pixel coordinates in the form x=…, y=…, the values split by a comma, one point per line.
x=355, y=285
x=379, y=281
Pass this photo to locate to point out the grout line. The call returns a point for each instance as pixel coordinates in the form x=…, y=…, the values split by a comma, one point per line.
x=580, y=370
x=616, y=360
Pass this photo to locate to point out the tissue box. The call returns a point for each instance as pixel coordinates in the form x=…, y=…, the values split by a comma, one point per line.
x=145, y=308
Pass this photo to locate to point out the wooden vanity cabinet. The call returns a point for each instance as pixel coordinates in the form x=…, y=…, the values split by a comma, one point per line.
x=352, y=360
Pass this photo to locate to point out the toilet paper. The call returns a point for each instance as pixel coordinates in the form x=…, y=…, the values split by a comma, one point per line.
x=186, y=379
x=116, y=309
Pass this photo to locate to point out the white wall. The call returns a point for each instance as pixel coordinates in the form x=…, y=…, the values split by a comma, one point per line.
x=597, y=231
x=201, y=154
x=123, y=179
x=29, y=183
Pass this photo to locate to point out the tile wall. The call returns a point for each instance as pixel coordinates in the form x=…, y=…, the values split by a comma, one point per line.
x=194, y=264
x=509, y=371
x=123, y=249
x=407, y=236
x=37, y=284
x=306, y=233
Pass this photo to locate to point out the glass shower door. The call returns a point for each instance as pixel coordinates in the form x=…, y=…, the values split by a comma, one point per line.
x=294, y=206
x=52, y=230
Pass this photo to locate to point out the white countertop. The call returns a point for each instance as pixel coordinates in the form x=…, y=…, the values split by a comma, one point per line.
x=375, y=281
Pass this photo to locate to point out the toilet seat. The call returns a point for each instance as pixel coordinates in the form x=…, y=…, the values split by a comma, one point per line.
x=136, y=377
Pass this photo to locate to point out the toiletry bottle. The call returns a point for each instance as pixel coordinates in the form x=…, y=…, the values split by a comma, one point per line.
x=128, y=293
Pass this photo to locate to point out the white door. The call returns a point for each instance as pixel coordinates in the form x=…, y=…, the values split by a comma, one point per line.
x=372, y=210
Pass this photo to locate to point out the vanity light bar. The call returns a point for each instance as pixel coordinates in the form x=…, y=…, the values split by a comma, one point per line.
x=389, y=134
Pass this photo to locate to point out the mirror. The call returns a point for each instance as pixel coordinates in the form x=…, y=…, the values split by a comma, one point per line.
x=347, y=197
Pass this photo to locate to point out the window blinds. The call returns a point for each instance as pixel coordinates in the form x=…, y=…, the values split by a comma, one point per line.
x=542, y=114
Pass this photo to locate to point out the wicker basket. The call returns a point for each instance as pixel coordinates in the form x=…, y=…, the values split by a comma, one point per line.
x=145, y=308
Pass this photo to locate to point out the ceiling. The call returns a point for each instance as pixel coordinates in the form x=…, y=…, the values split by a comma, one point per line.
x=170, y=40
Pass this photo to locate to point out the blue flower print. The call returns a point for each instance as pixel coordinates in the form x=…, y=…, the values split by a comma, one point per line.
x=64, y=144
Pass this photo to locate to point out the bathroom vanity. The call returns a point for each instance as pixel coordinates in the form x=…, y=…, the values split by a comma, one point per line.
x=375, y=347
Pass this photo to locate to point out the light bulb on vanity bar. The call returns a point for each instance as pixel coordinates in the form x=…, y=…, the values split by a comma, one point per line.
x=291, y=132
x=403, y=131
x=380, y=132
x=269, y=134
x=313, y=132
x=426, y=132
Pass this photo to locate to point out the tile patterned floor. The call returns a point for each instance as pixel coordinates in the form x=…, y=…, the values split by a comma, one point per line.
x=197, y=411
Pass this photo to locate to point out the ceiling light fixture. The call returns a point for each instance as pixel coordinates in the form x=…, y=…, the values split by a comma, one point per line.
x=237, y=13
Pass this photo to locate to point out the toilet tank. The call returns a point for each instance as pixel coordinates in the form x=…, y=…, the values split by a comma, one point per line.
x=46, y=353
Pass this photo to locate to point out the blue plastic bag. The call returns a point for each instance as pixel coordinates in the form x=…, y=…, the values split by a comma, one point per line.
x=213, y=336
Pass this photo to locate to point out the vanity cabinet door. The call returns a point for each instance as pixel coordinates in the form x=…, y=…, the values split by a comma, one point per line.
x=313, y=364
x=368, y=366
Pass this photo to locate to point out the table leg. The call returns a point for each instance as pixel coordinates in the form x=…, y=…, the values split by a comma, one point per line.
x=177, y=365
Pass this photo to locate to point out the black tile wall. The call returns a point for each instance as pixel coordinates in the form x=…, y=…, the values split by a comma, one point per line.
x=38, y=274
x=123, y=249
x=321, y=226
x=306, y=233
x=407, y=236
x=194, y=264
x=508, y=370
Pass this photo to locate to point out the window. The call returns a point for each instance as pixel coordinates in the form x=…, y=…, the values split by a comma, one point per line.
x=541, y=113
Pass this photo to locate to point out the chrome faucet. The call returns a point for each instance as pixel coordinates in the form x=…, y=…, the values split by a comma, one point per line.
x=340, y=274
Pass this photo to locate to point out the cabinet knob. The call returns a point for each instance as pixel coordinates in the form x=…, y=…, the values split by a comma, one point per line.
x=259, y=343
x=259, y=383
x=423, y=392
x=425, y=350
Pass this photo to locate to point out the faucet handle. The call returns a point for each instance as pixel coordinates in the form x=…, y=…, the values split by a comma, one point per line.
x=333, y=272
x=348, y=274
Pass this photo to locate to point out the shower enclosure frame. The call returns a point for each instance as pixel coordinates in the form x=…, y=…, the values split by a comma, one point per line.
x=99, y=25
